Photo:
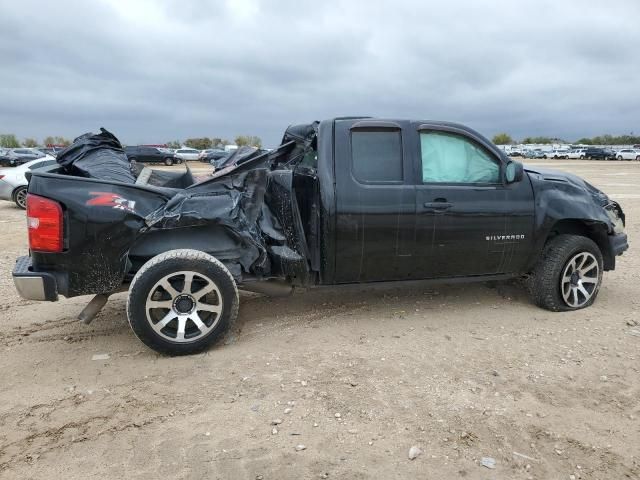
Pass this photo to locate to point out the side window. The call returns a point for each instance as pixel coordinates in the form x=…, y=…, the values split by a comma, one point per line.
x=46, y=163
x=376, y=156
x=451, y=158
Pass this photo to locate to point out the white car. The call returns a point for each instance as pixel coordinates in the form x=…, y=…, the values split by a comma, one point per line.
x=187, y=153
x=577, y=153
x=557, y=154
x=628, y=154
x=13, y=183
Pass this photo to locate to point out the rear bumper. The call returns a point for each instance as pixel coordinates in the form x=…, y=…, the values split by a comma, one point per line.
x=34, y=285
x=618, y=243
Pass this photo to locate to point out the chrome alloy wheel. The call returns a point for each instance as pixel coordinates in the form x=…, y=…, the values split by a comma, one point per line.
x=184, y=307
x=21, y=198
x=580, y=279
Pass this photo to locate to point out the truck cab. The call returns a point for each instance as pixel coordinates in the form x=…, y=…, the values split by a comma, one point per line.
x=417, y=199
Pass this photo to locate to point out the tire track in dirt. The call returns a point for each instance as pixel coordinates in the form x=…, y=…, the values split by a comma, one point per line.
x=42, y=428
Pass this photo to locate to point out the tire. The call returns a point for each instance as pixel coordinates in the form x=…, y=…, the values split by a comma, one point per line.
x=638, y=158
x=168, y=161
x=171, y=327
x=560, y=278
x=20, y=197
x=620, y=157
x=581, y=157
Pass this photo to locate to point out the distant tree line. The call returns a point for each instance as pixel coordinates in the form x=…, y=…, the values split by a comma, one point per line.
x=506, y=139
x=9, y=140
x=216, y=142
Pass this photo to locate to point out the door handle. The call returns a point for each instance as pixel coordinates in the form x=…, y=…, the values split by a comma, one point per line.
x=438, y=205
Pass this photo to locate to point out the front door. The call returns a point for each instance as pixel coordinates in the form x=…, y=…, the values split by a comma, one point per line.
x=469, y=221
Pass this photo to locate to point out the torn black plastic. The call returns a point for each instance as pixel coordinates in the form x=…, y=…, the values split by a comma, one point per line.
x=97, y=155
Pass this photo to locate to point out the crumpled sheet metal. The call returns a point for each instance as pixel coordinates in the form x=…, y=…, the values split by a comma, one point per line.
x=234, y=203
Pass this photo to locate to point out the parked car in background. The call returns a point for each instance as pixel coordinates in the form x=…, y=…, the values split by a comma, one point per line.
x=26, y=154
x=8, y=158
x=576, y=153
x=187, y=153
x=628, y=154
x=202, y=156
x=556, y=154
x=610, y=154
x=214, y=157
x=53, y=151
x=515, y=153
x=13, y=183
x=151, y=155
x=596, y=153
x=535, y=154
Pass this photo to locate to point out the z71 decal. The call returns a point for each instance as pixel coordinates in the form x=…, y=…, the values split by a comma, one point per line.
x=113, y=200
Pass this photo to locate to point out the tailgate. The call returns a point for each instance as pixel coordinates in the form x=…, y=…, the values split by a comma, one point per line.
x=101, y=220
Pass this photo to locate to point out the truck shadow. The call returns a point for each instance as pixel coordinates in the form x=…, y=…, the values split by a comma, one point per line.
x=373, y=302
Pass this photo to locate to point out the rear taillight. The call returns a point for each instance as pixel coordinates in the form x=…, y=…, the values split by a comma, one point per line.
x=44, y=221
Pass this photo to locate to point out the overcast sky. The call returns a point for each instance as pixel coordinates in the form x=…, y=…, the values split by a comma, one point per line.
x=156, y=70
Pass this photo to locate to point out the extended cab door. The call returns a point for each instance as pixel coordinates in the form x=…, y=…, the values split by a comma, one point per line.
x=469, y=220
x=375, y=201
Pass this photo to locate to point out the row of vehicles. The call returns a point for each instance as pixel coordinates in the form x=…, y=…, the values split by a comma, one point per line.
x=11, y=157
x=590, y=153
x=147, y=154
x=139, y=153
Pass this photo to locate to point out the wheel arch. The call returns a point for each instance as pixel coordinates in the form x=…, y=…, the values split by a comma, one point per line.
x=594, y=230
x=217, y=241
x=15, y=190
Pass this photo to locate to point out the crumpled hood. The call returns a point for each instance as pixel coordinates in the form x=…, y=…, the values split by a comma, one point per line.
x=568, y=179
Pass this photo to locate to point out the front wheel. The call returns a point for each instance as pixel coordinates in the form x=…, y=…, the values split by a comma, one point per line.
x=20, y=197
x=568, y=275
x=168, y=161
x=182, y=301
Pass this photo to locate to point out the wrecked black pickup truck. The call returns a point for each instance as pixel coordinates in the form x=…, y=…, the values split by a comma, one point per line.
x=347, y=200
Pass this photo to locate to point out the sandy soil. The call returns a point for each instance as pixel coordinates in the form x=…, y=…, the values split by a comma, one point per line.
x=356, y=375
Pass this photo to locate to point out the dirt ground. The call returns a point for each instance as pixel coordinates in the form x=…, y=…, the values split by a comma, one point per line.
x=357, y=375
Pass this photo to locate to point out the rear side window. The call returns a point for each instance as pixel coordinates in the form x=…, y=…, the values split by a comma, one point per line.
x=451, y=158
x=376, y=156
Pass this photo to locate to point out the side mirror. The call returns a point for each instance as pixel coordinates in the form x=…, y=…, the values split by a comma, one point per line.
x=513, y=172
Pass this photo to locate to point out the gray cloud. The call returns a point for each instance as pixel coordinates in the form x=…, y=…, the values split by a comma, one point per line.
x=153, y=71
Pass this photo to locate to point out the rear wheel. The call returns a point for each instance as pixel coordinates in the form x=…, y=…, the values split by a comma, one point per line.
x=20, y=197
x=168, y=161
x=568, y=275
x=182, y=301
